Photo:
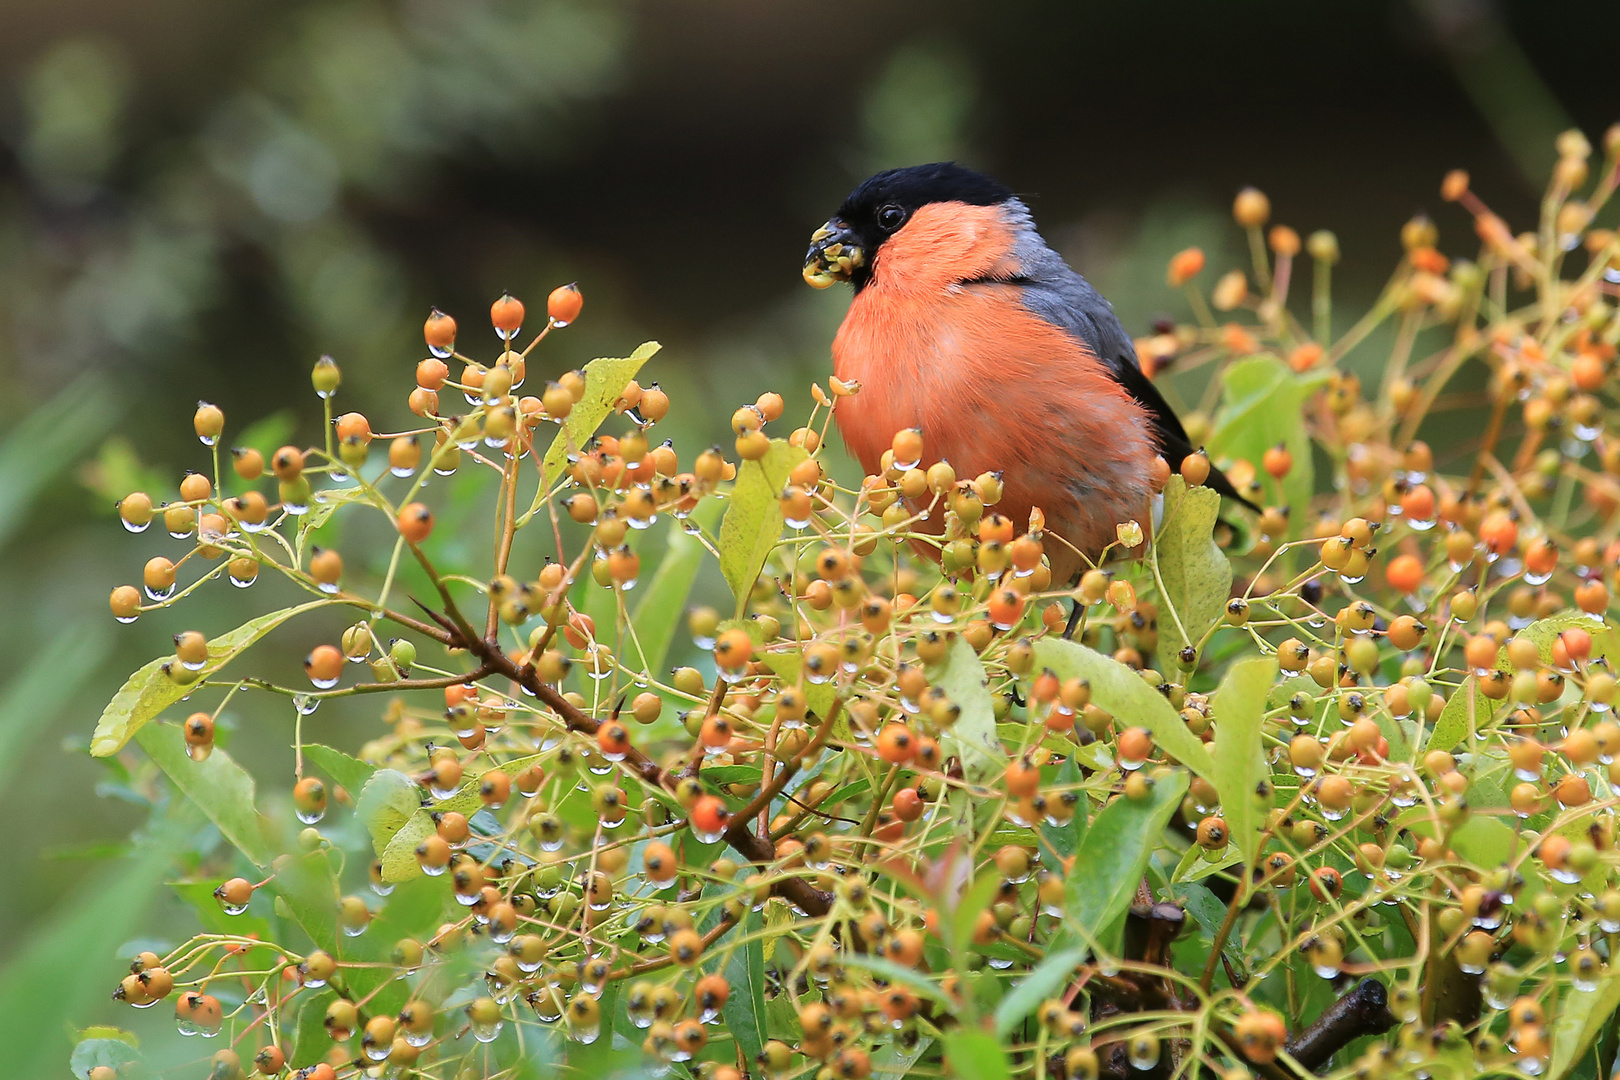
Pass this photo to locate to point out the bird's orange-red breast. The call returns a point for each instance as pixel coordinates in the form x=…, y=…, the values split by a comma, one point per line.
x=967, y=325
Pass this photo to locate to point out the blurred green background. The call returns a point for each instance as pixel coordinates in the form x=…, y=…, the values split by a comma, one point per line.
x=197, y=199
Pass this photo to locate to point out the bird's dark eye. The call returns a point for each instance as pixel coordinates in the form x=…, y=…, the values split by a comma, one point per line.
x=891, y=217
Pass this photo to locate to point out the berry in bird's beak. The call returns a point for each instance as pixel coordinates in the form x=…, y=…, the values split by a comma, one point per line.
x=834, y=255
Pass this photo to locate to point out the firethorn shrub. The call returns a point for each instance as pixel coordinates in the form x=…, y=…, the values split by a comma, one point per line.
x=1328, y=787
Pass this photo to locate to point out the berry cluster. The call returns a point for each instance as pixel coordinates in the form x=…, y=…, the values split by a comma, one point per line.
x=1256, y=788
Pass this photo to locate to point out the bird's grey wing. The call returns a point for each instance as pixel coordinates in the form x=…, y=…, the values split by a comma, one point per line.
x=1062, y=297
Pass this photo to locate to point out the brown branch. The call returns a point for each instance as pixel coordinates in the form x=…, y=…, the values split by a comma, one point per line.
x=1362, y=1011
x=800, y=893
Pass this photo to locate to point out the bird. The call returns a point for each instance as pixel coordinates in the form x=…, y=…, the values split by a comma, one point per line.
x=965, y=324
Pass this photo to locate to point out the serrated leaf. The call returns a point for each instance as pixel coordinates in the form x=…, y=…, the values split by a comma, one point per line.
x=1262, y=405
x=218, y=786
x=973, y=737
x=386, y=802
x=1464, y=711
x=1043, y=981
x=323, y=504
x=1118, y=690
x=1196, y=574
x=149, y=691
x=974, y=1054
x=1239, y=708
x=753, y=521
x=1110, y=863
x=605, y=380
x=744, y=1010
x=398, y=856
x=657, y=615
x=349, y=773
x=1545, y=631
x=94, y=1053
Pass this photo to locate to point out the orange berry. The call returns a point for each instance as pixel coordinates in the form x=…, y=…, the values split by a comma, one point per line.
x=1195, y=468
x=896, y=744
x=1404, y=573
x=1278, y=461
x=287, y=463
x=709, y=814
x=415, y=522
x=431, y=374
x=506, y=314
x=440, y=333
x=1499, y=533
x=324, y=665
x=1184, y=266
x=1023, y=778
x=351, y=426
x=563, y=305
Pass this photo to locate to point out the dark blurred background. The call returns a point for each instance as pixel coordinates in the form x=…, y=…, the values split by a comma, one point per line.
x=197, y=199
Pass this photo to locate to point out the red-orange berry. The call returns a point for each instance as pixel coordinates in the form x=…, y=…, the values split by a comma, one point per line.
x=564, y=303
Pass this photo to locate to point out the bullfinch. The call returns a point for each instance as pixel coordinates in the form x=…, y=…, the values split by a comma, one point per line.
x=966, y=325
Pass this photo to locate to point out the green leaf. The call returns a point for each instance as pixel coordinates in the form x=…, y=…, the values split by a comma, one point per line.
x=753, y=522
x=1196, y=575
x=47, y=441
x=1580, y=1016
x=732, y=774
x=1118, y=690
x=199, y=896
x=975, y=1054
x=386, y=802
x=1239, y=708
x=1065, y=839
x=1209, y=913
x=93, y=1053
x=323, y=504
x=605, y=380
x=310, y=1039
x=1464, y=711
x=893, y=1060
x=1043, y=981
x=218, y=786
x=398, y=857
x=38, y=1002
x=973, y=737
x=1262, y=405
x=962, y=910
x=657, y=615
x=149, y=691
x=1545, y=631
x=1115, y=855
x=34, y=696
x=818, y=697
x=347, y=772
x=892, y=972
x=744, y=1010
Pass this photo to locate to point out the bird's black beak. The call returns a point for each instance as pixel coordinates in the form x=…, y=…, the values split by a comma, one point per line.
x=835, y=254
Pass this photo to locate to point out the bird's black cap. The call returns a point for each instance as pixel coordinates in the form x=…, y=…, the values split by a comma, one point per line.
x=919, y=185
x=843, y=249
